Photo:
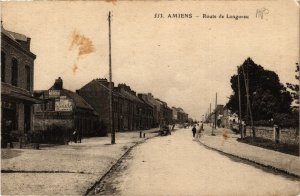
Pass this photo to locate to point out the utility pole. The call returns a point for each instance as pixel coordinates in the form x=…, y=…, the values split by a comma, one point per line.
x=210, y=114
x=240, y=107
x=112, y=131
x=248, y=102
x=216, y=111
x=215, y=118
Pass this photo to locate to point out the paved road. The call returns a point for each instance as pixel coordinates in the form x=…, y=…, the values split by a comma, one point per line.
x=179, y=165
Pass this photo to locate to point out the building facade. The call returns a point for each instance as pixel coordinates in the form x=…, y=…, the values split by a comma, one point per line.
x=17, y=69
x=129, y=111
x=64, y=110
x=149, y=111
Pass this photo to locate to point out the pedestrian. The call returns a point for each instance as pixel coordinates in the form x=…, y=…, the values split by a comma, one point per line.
x=75, y=136
x=201, y=129
x=197, y=131
x=194, y=131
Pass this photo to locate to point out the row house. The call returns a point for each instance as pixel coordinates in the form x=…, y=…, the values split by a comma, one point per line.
x=96, y=94
x=65, y=111
x=129, y=111
x=156, y=112
x=150, y=110
x=138, y=108
x=166, y=113
x=179, y=115
x=17, y=68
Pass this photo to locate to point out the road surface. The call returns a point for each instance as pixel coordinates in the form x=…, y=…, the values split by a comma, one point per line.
x=179, y=165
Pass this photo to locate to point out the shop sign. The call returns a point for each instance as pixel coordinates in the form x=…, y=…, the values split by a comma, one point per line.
x=63, y=105
x=54, y=93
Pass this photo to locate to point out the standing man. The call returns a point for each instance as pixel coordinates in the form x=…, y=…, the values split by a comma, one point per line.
x=194, y=130
x=75, y=134
x=197, y=130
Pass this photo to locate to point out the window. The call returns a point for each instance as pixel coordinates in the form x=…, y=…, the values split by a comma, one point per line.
x=2, y=66
x=27, y=70
x=14, y=72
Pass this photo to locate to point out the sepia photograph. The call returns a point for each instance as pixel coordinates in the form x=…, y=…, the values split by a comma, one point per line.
x=150, y=98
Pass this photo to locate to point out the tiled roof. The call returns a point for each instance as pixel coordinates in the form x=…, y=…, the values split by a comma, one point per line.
x=78, y=100
x=13, y=35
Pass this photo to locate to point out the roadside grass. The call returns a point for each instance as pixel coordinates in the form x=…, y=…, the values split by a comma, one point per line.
x=271, y=145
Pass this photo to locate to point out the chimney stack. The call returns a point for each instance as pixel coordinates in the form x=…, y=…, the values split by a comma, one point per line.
x=58, y=85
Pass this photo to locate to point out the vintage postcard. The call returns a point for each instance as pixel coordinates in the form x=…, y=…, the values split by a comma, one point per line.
x=150, y=97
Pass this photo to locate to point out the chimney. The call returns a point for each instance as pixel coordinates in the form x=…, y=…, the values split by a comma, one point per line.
x=28, y=43
x=58, y=85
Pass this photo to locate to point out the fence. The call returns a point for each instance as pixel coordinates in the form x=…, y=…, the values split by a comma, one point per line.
x=287, y=135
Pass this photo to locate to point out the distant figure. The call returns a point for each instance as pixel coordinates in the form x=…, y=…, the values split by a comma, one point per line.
x=194, y=131
x=201, y=127
x=75, y=135
x=197, y=131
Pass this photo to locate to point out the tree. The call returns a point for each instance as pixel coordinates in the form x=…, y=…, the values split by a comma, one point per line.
x=294, y=88
x=267, y=95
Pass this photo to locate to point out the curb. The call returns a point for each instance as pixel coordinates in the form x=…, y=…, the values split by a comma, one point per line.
x=250, y=160
x=113, y=166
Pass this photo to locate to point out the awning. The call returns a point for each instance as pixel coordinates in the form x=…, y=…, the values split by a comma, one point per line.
x=21, y=97
x=12, y=92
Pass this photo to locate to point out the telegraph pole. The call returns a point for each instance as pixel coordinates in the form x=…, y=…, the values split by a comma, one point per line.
x=216, y=111
x=210, y=114
x=248, y=102
x=215, y=120
x=240, y=107
x=112, y=131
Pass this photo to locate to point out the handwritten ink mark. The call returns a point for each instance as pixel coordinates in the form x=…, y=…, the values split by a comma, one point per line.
x=260, y=13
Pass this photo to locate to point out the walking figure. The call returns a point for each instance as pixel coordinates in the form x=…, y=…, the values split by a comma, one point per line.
x=194, y=131
x=197, y=131
x=201, y=129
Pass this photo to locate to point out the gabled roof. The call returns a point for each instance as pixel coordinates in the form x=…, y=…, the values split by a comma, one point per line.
x=115, y=93
x=144, y=97
x=78, y=100
x=14, y=36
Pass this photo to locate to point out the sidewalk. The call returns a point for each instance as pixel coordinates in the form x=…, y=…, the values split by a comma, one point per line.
x=226, y=142
x=66, y=169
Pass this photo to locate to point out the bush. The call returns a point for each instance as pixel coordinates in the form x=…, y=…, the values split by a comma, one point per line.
x=287, y=120
x=281, y=119
x=264, y=123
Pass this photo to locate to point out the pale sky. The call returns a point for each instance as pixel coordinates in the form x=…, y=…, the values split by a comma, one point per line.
x=182, y=61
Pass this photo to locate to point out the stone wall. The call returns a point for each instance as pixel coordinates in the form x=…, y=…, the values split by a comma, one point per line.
x=288, y=135
x=41, y=123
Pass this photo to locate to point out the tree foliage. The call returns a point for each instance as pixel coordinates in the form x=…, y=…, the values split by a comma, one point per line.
x=295, y=87
x=267, y=95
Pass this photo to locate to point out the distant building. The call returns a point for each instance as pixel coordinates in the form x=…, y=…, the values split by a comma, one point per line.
x=96, y=93
x=179, y=116
x=174, y=114
x=166, y=116
x=150, y=109
x=129, y=111
x=17, y=68
x=65, y=110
